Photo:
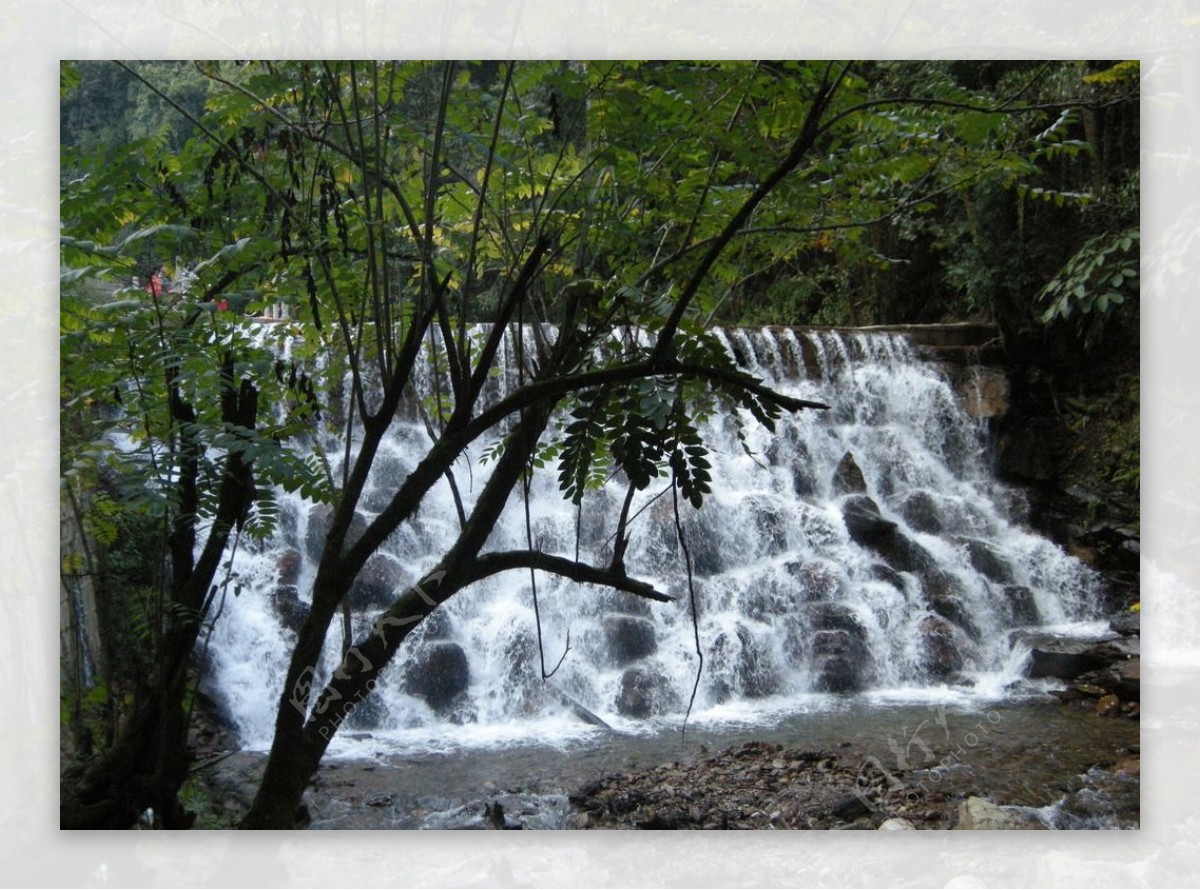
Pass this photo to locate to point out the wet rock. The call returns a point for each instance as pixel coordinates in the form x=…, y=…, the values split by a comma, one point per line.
x=831, y=644
x=765, y=602
x=644, y=693
x=1067, y=659
x=439, y=674
x=1022, y=607
x=628, y=638
x=1127, y=623
x=771, y=529
x=522, y=683
x=804, y=483
x=462, y=710
x=864, y=523
x=738, y=655
x=850, y=808
x=977, y=814
x=287, y=567
x=1122, y=678
x=436, y=625
x=1130, y=765
x=848, y=477
x=880, y=572
x=705, y=550
x=841, y=661
x=292, y=611
x=987, y=561
x=941, y=655
x=377, y=585
x=920, y=511
x=367, y=713
x=621, y=603
x=983, y=391
x=1108, y=706
x=1128, y=679
x=815, y=580
x=947, y=597
x=904, y=554
x=320, y=520
x=834, y=616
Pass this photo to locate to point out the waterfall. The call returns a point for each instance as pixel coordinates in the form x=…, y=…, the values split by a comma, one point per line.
x=865, y=550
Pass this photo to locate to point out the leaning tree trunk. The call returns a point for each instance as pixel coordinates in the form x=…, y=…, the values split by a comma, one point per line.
x=301, y=736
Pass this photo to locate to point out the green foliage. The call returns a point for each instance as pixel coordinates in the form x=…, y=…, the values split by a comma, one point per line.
x=1120, y=73
x=1099, y=278
x=614, y=208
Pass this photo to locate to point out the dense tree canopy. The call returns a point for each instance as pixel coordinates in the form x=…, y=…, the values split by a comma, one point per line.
x=619, y=208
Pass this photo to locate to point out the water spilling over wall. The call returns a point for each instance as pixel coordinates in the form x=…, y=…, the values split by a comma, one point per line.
x=862, y=550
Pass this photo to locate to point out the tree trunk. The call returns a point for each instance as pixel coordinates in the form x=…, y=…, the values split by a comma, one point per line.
x=301, y=736
x=148, y=764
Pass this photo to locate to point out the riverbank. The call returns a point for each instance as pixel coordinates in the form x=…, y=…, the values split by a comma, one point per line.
x=1047, y=763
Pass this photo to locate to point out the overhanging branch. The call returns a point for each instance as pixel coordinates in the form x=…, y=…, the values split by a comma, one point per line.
x=502, y=561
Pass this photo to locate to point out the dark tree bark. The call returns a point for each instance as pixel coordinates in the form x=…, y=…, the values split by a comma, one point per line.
x=148, y=763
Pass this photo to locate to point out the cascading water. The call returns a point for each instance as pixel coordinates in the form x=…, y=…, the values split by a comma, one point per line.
x=865, y=550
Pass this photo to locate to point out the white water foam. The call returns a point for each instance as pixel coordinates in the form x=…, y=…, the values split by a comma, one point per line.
x=791, y=607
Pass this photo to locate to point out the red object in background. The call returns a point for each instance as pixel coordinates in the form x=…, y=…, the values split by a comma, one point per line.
x=222, y=305
x=155, y=284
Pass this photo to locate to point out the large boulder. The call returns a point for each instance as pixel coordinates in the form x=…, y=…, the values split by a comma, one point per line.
x=816, y=580
x=880, y=572
x=864, y=523
x=903, y=554
x=704, y=547
x=946, y=596
x=1066, y=658
x=1022, y=607
x=738, y=656
x=287, y=567
x=831, y=642
x=766, y=601
x=841, y=661
x=320, y=520
x=770, y=528
x=436, y=625
x=804, y=483
x=848, y=477
x=285, y=598
x=644, y=693
x=628, y=638
x=377, y=583
x=1125, y=679
x=941, y=648
x=1127, y=624
x=439, y=674
x=987, y=561
x=920, y=511
x=291, y=610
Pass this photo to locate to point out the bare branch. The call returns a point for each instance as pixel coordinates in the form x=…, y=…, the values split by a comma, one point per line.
x=508, y=560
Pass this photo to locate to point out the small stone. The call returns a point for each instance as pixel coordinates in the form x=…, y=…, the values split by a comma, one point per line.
x=850, y=807
x=896, y=825
x=1129, y=765
x=977, y=814
x=1108, y=705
